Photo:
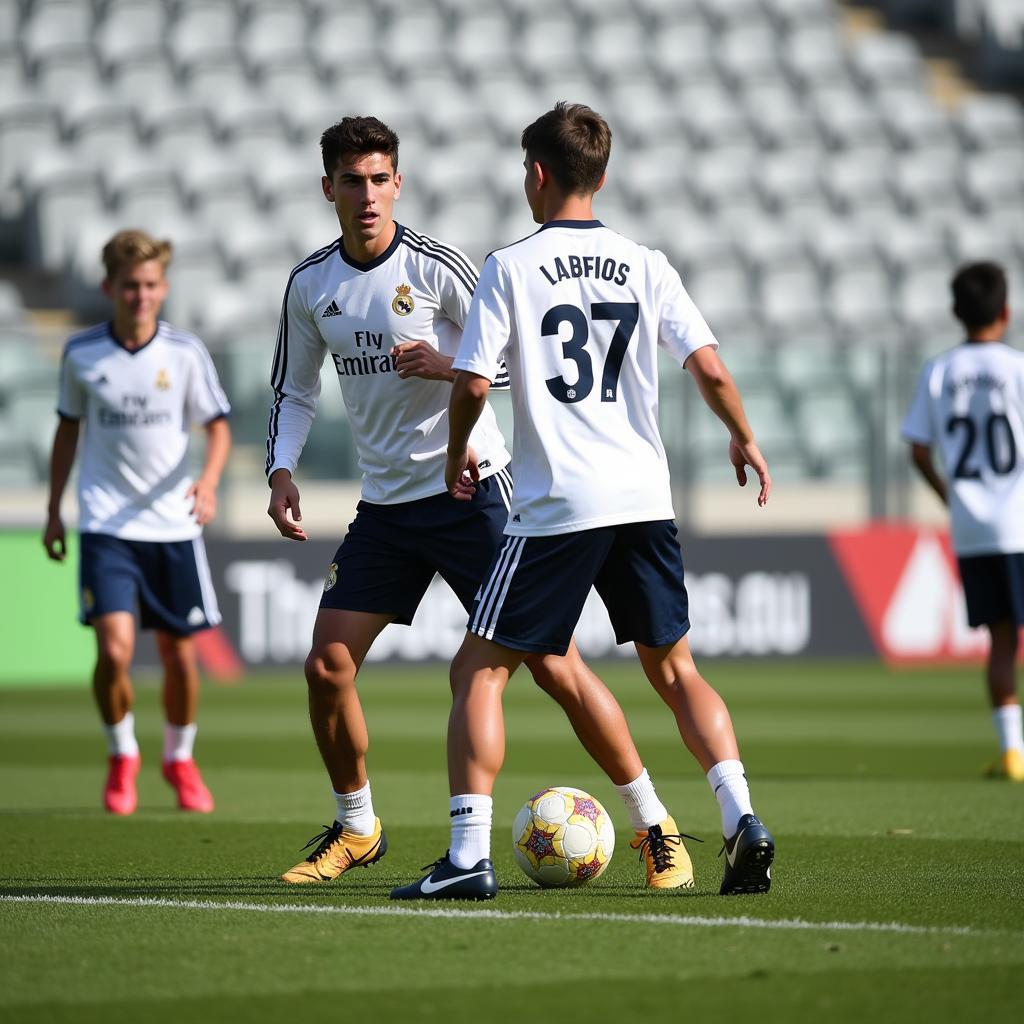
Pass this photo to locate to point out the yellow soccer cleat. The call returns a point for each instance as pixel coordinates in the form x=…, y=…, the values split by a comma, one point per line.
x=337, y=851
x=1009, y=765
x=664, y=855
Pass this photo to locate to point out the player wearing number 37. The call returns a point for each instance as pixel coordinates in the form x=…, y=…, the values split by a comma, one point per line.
x=578, y=314
x=970, y=405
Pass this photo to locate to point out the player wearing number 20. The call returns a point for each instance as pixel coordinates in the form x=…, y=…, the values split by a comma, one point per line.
x=970, y=405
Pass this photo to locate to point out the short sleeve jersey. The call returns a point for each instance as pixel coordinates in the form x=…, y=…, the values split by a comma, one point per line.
x=355, y=313
x=969, y=404
x=136, y=407
x=578, y=312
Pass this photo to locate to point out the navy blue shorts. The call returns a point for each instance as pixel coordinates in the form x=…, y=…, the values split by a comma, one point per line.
x=994, y=588
x=391, y=552
x=536, y=588
x=168, y=582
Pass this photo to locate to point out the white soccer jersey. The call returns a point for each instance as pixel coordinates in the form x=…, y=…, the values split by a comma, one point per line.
x=137, y=407
x=578, y=312
x=970, y=404
x=417, y=290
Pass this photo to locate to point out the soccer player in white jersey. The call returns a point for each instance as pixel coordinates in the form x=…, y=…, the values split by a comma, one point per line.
x=137, y=384
x=387, y=305
x=577, y=313
x=970, y=405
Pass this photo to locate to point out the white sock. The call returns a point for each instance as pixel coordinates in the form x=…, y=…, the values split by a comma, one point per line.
x=355, y=811
x=645, y=809
x=1007, y=720
x=471, y=829
x=730, y=787
x=178, y=741
x=121, y=737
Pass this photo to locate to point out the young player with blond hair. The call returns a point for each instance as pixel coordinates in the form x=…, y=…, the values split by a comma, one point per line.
x=577, y=313
x=136, y=385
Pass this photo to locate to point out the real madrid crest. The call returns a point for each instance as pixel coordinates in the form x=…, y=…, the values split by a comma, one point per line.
x=163, y=382
x=332, y=576
x=402, y=303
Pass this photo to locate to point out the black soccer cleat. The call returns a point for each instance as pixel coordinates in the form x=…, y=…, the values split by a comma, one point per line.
x=748, y=858
x=447, y=882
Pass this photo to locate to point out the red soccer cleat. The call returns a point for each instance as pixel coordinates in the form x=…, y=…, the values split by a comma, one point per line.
x=119, y=796
x=188, y=784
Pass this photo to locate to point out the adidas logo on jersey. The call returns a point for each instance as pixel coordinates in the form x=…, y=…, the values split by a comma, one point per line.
x=332, y=310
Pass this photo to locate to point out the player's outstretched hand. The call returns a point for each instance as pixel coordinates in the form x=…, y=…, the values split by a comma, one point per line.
x=748, y=454
x=204, y=506
x=284, y=499
x=53, y=539
x=418, y=359
x=461, y=475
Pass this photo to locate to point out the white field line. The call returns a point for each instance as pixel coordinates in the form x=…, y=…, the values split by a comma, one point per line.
x=451, y=913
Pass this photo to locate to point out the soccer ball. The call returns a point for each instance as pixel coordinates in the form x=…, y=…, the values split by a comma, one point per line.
x=562, y=837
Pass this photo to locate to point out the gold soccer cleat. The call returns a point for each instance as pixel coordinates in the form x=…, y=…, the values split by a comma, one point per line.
x=1009, y=765
x=664, y=855
x=337, y=851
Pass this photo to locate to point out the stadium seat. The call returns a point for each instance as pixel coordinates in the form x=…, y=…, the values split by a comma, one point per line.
x=767, y=244
x=130, y=34
x=813, y=55
x=928, y=187
x=923, y=307
x=909, y=243
x=847, y=120
x=97, y=124
x=28, y=126
x=616, y=49
x=202, y=46
x=479, y=42
x=790, y=185
x=837, y=244
x=736, y=12
x=860, y=305
x=640, y=115
x=998, y=238
x=885, y=60
x=720, y=181
x=748, y=56
x=833, y=431
x=995, y=182
x=250, y=124
x=362, y=49
x=791, y=303
x=713, y=118
x=141, y=191
x=273, y=37
x=856, y=182
x=915, y=122
x=54, y=33
x=990, y=122
x=724, y=297
x=779, y=119
x=12, y=310
x=415, y=38
x=215, y=187
x=682, y=53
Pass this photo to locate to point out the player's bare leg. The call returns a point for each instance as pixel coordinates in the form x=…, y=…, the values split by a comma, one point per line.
x=593, y=712
x=706, y=728
x=700, y=713
x=341, y=640
x=1001, y=677
x=112, y=687
x=476, y=749
x=181, y=702
x=476, y=724
x=111, y=679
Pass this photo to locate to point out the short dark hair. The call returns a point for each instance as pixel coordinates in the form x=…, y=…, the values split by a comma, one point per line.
x=573, y=143
x=358, y=136
x=979, y=294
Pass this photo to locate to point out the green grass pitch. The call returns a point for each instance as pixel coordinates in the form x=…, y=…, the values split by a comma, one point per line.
x=898, y=892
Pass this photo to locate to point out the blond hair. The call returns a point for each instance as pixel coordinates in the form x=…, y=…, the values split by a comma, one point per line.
x=128, y=248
